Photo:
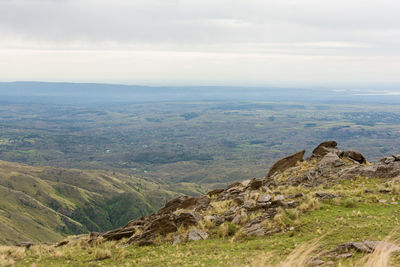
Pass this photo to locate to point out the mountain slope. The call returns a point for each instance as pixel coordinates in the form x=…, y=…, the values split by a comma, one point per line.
x=45, y=203
x=332, y=209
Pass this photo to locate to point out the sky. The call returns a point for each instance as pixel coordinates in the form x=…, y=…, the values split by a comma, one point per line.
x=195, y=42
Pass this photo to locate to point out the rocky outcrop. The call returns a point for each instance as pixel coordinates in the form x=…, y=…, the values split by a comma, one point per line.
x=355, y=155
x=287, y=162
x=347, y=249
x=324, y=148
x=386, y=168
x=331, y=159
x=252, y=204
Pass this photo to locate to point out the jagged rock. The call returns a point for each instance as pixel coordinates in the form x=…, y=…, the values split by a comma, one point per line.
x=233, y=191
x=324, y=148
x=186, y=219
x=264, y=198
x=235, y=184
x=324, y=195
x=255, y=230
x=196, y=234
x=245, y=183
x=391, y=159
x=248, y=204
x=229, y=215
x=355, y=155
x=255, y=184
x=331, y=159
x=215, y=192
x=119, y=233
x=240, y=218
x=287, y=162
x=376, y=170
x=185, y=202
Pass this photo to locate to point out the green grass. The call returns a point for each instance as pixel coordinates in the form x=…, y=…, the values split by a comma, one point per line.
x=35, y=199
x=334, y=223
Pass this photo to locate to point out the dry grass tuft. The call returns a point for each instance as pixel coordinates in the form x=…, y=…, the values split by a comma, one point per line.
x=301, y=256
x=102, y=254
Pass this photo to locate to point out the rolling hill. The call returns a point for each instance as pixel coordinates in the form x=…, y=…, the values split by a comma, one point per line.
x=46, y=203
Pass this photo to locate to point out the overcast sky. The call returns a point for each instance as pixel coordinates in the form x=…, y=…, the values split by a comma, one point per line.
x=239, y=42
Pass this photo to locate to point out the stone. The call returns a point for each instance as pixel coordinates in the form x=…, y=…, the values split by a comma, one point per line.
x=324, y=195
x=264, y=198
x=331, y=159
x=118, y=235
x=344, y=256
x=235, y=184
x=355, y=155
x=196, y=234
x=365, y=247
x=285, y=163
x=375, y=170
x=255, y=184
x=324, y=148
x=255, y=230
x=245, y=183
x=186, y=219
x=317, y=262
x=215, y=192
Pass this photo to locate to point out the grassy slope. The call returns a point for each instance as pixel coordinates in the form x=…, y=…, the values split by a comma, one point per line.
x=45, y=203
x=356, y=216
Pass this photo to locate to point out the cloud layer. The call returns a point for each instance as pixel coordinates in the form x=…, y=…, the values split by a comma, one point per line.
x=192, y=41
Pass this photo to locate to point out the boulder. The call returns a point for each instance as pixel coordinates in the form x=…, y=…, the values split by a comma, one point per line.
x=324, y=148
x=331, y=159
x=376, y=170
x=196, y=234
x=355, y=155
x=255, y=230
x=215, y=192
x=255, y=184
x=285, y=163
x=186, y=219
x=119, y=233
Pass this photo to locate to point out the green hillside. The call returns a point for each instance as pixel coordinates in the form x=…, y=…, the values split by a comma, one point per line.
x=331, y=209
x=45, y=203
